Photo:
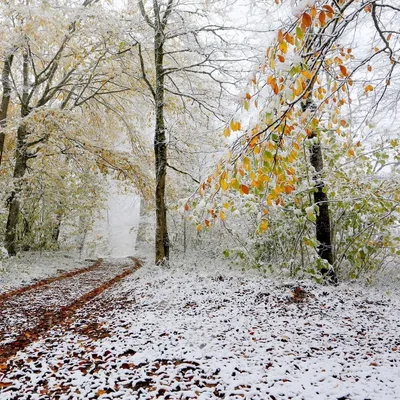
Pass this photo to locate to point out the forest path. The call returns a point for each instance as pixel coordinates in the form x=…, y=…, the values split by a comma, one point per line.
x=29, y=312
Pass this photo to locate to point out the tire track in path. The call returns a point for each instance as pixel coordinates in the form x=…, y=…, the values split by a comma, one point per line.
x=27, y=315
x=5, y=296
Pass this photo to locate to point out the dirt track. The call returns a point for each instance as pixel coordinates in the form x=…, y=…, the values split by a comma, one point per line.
x=29, y=312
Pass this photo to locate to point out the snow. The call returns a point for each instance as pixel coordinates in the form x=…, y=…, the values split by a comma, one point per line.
x=31, y=266
x=203, y=329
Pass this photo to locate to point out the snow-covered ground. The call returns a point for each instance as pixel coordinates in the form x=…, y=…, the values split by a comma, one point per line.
x=203, y=329
x=28, y=267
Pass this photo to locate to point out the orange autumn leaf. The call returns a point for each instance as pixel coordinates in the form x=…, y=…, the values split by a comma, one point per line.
x=322, y=18
x=270, y=80
x=289, y=38
x=343, y=70
x=306, y=20
x=328, y=8
x=244, y=189
x=289, y=189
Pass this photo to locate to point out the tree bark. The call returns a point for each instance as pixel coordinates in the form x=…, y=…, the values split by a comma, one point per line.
x=14, y=200
x=160, y=152
x=21, y=160
x=5, y=101
x=323, y=224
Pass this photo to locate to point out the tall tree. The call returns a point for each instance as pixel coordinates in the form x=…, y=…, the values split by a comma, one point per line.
x=5, y=99
x=191, y=61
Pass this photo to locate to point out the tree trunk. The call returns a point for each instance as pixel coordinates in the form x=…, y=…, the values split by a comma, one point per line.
x=5, y=101
x=14, y=201
x=57, y=228
x=21, y=160
x=160, y=152
x=323, y=224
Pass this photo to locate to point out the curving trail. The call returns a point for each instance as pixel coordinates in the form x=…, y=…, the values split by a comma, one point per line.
x=29, y=312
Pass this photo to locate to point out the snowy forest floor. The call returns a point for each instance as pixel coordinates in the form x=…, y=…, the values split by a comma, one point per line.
x=199, y=329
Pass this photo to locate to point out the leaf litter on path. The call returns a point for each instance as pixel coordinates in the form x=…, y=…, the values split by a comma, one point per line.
x=26, y=314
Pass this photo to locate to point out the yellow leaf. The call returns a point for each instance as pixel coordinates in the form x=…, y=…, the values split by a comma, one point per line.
x=234, y=184
x=307, y=74
x=235, y=125
x=263, y=225
x=283, y=47
x=246, y=163
x=368, y=88
x=350, y=153
x=227, y=132
x=226, y=205
x=222, y=215
x=224, y=184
